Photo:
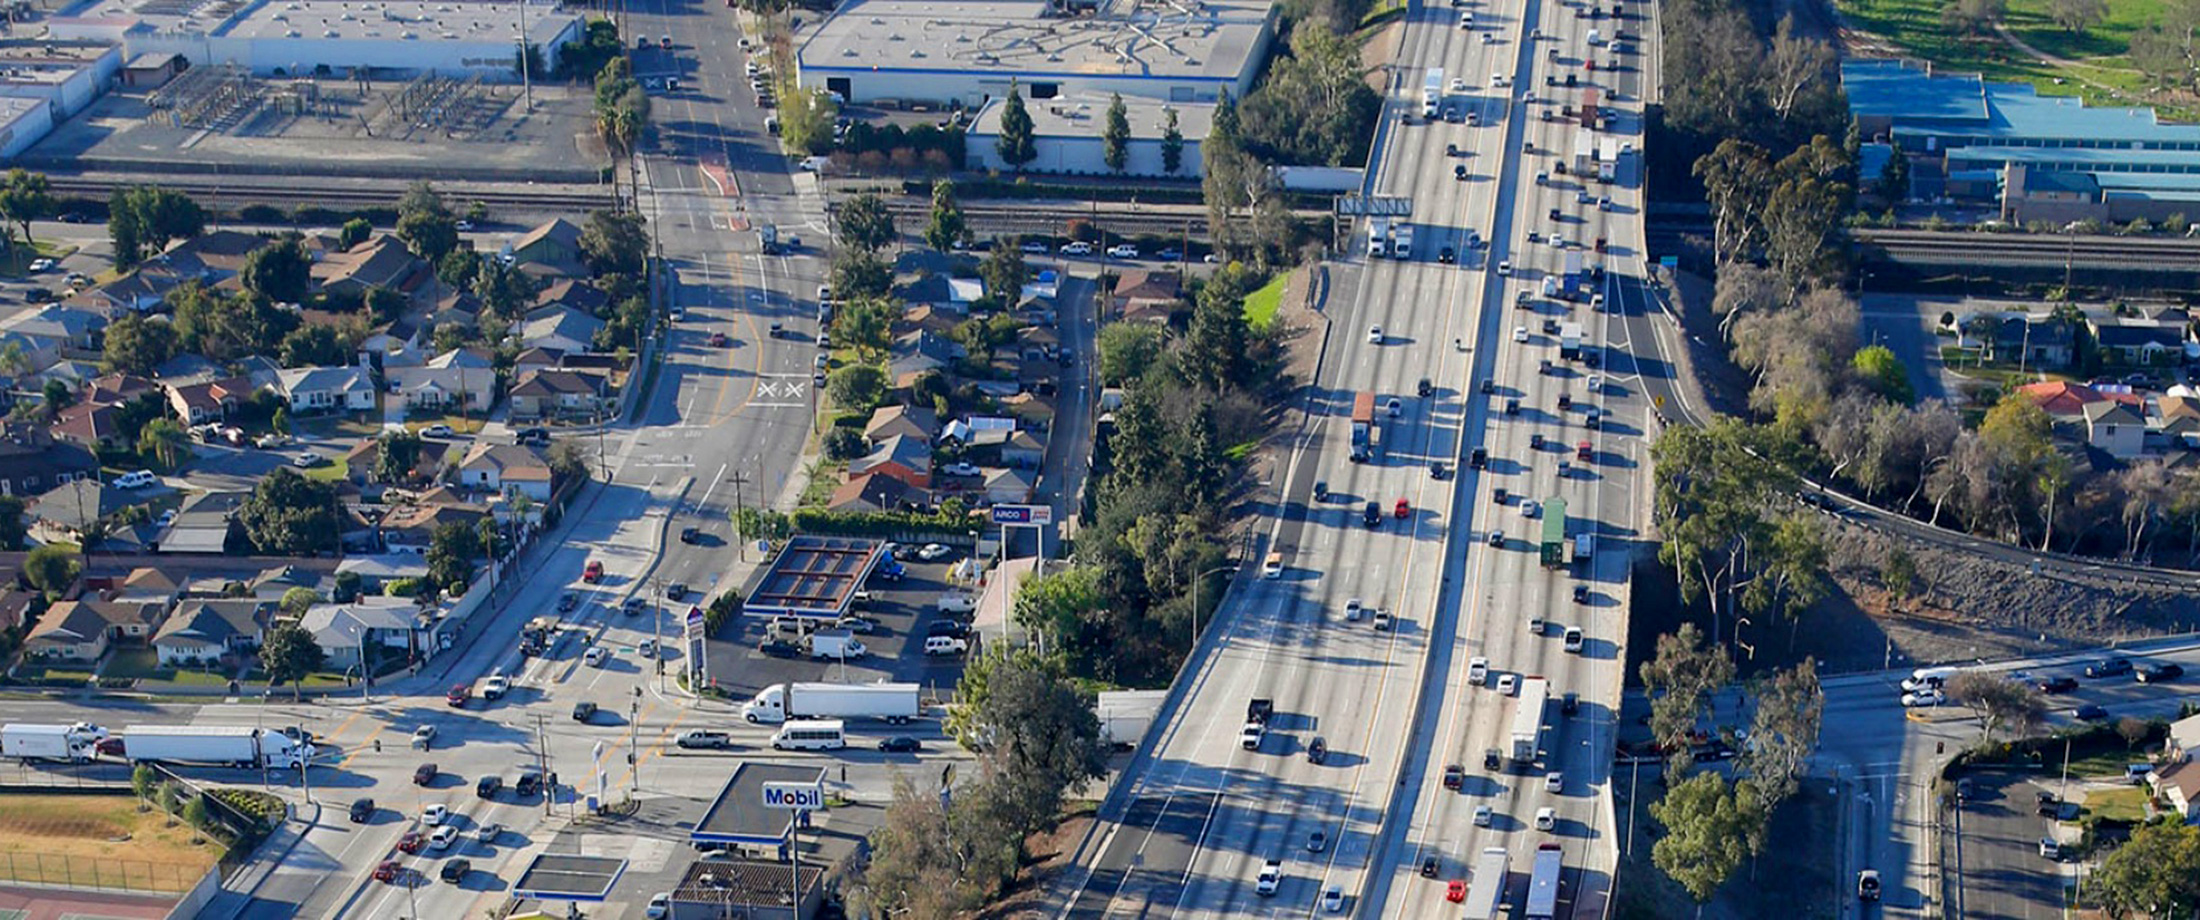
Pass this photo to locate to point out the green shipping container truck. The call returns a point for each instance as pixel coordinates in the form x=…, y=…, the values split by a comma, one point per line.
x=1554, y=533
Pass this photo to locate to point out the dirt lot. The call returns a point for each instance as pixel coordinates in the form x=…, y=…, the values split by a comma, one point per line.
x=96, y=839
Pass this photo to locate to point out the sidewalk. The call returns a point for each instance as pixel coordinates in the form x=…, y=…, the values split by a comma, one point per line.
x=237, y=890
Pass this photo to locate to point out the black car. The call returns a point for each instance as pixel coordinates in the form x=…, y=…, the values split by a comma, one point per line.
x=1428, y=866
x=584, y=711
x=1372, y=515
x=691, y=535
x=362, y=810
x=1488, y=386
x=455, y=870
x=531, y=436
x=1491, y=760
x=528, y=784
x=1569, y=704
x=1478, y=458
x=1318, y=751
x=2050, y=806
x=955, y=628
x=900, y=744
x=1581, y=594
x=2063, y=684
x=1512, y=406
x=677, y=590
x=1436, y=469
x=1455, y=776
x=1424, y=388
x=1447, y=255
x=1497, y=538
x=2108, y=667
x=1321, y=490
x=488, y=786
x=2159, y=673
x=780, y=648
x=2090, y=712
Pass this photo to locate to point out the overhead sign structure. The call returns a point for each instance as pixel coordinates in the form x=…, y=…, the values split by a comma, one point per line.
x=1374, y=206
x=1023, y=514
x=795, y=796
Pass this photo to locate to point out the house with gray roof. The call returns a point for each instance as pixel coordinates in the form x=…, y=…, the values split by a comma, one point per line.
x=560, y=329
x=205, y=630
x=345, y=631
x=328, y=389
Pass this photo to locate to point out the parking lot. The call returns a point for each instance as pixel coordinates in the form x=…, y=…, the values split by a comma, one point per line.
x=902, y=610
x=1997, y=867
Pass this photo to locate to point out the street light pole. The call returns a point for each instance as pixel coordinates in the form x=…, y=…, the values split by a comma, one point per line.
x=1196, y=579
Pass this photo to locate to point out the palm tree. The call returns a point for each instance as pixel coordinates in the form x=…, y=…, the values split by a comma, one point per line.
x=164, y=440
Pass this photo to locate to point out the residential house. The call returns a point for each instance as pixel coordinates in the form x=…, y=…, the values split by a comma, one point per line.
x=92, y=426
x=1038, y=343
x=1023, y=451
x=471, y=357
x=328, y=389
x=905, y=458
x=2177, y=419
x=1008, y=486
x=1037, y=311
x=964, y=432
x=536, y=359
x=411, y=528
x=2177, y=785
x=574, y=294
x=137, y=292
x=1146, y=295
x=460, y=309
x=2150, y=344
x=15, y=604
x=69, y=630
x=202, y=403
x=382, y=262
x=926, y=318
x=68, y=512
x=377, y=570
x=917, y=352
x=61, y=325
x=203, y=631
x=203, y=524
x=32, y=462
x=398, y=343
x=919, y=422
x=556, y=243
x=1033, y=411
x=443, y=389
x=941, y=292
x=2047, y=343
x=428, y=465
x=345, y=631
x=876, y=491
x=143, y=585
x=506, y=468
x=548, y=393
x=2061, y=399
x=118, y=389
x=2114, y=428
x=560, y=329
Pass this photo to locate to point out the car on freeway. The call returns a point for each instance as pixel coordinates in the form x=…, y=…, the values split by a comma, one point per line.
x=2160, y=672
x=1375, y=335
x=691, y=535
x=1497, y=538
x=1317, y=841
x=387, y=870
x=1333, y=899
x=584, y=711
x=1353, y=610
x=1554, y=781
x=1317, y=752
x=411, y=842
x=2108, y=667
x=1455, y=776
x=719, y=340
x=900, y=744
x=1394, y=406
x=1867, y=885
x=1382, y=621
x=424, y=774
x=488, y=786
x=634, y=605
x=1478, y=670
x=1508, y=684
x=443, y=837
x=1271, y=874
x=1484, y=815
x=488, y=833
x=2090, y=712
x=455, y=871
x=362, y=810
x=1546, y=818
x=1520, y=334
x=435, y=814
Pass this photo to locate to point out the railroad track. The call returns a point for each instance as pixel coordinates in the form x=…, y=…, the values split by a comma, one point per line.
x=239, y=193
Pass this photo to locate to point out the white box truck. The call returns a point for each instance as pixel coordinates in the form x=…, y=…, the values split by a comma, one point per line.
x=894, y=703
x=1487, y=890
x=1542, y=902
x=1432, y=92
x=1527, y=727
x=73, y=743
x=1378, y=237
x=226, y=745
x=836, y=643
x=1401, y=243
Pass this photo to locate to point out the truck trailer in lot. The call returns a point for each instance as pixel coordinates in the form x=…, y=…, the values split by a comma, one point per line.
x=1487, y=889
x=1527, y=727
x=1542, y=902
x=224, y=745
x=895, y=703
x=74, y=743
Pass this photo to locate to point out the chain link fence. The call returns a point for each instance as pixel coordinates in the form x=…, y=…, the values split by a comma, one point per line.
x=66, y=871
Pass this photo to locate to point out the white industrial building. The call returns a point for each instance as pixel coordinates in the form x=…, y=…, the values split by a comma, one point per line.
x=938, y=52
x=23, y=122
x=1066, y=134
x=293, y=37
x=43, y=83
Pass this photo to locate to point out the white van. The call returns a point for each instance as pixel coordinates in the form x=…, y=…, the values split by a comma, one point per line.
x=957, y=603
x=945, y=645
x=811, y=735
x=1928, y=678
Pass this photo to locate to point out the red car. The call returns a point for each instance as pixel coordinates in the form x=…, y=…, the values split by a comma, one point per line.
x=1404, y=509
x=719, y=340
x=593, y=573
x=1455, y=891
x=459, y=695
x=411, y=842
x=387, y=871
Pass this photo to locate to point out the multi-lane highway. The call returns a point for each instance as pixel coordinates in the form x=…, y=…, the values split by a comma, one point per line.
x=1196, y=820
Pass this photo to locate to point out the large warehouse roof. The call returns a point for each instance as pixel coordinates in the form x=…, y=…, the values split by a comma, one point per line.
x=1126, y=38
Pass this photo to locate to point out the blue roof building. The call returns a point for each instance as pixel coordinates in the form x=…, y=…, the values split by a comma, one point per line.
x=2056, y=157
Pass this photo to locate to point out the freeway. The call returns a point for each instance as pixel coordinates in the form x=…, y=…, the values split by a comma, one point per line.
x=1394, y=707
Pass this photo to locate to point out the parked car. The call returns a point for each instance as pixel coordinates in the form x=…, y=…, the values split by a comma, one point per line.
x=436, y=431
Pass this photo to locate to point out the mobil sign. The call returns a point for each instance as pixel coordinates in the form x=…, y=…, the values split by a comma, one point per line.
x=796, y=796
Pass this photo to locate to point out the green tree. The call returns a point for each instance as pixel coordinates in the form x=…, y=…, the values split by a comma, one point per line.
x=862, y=222
x=227, y=328
x=861, y=275
x=296, y=600
x=1036, y=731
x=1215, y=347
x=288, y=515
x=857, y=387
x=1056, y=603
x=1791, y=708
x=281, y=271
x=947, y=226
x=1894, y=176
x=164, y=442
x=1884, y=373
x=143, y=220
x=425, y=223
x=806, y=120
x=1004, y=272
x=143, y=781
x=1680, y=678
x=1997, y=701
x=396, y=453
x=1708, y=827
x=1737, y=180
x=1115, y=136
x=1712, y=486
x=289, y=656
x=1128, y=350
x=1899, y=573
x=930, y=864
x=866, y=325
x=615, y=243
x=354, y=232
x=451, y=554
x=13, y=532
x=25, y=197
x=621, y=107
x=57, y=396
x=1017, y=144
x=136, y=345
x=842, y=443
x=313, y=346
x=1172, y=143
x=170, y=795
x=52, y=568
x=194, y=813
x=2156, y=873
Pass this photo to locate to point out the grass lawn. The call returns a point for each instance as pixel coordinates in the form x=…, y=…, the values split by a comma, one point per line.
x=2103, y=77
x=100, y=840
x=2105, y=764
x=459, y=424
x=42, y=672
x=136, y=663
x=1261, y=305
x=2125, y=805
x=335, y=470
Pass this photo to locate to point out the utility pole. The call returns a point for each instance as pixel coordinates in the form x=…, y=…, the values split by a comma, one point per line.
x=542, y=765
x=738, y=479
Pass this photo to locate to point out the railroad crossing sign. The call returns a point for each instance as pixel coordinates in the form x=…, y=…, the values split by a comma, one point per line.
x=1374, y=206
x=782, y=390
